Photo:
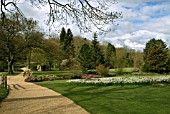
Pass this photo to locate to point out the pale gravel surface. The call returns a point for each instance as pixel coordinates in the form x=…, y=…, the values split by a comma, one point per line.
x=28, y=98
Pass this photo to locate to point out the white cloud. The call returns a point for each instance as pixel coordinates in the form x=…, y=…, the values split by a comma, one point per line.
x=137, y=40
x=139, y=24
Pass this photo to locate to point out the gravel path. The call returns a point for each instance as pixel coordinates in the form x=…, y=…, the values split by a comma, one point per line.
x=28, y=98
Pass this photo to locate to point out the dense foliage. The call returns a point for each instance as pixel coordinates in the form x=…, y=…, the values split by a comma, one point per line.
x=156, y=56
x=3, y=93
x=85, y=57
x=110, y=56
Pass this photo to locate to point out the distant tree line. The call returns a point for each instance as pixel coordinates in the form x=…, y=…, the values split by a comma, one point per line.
x=22, y=43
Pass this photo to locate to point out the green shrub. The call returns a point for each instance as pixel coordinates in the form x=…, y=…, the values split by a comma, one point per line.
x=3, y=93
x=3, y=66
x=119, y=71
x=102, y=70
x=84, y=70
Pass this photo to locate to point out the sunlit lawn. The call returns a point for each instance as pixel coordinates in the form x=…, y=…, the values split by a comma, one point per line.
x=132, y=99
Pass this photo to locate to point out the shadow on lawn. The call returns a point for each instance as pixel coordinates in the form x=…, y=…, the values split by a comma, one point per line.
x=32, y=98
x=99, y=92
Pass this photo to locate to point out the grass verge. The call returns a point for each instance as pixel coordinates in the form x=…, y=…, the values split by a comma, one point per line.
x=3, y=93
x=132, y=99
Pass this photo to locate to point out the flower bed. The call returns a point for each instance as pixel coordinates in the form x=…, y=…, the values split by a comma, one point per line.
x=89, y=76
x=41, y=78
x=123, y=80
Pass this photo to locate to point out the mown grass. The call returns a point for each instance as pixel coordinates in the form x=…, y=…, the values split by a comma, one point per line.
x=7, y=74
x=3, y=93
x=132, y=99
x=124, y=70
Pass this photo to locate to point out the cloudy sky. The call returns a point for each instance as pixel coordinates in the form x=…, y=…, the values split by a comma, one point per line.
x=142, y=20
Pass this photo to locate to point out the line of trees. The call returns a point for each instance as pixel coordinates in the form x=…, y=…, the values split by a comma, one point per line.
x=16, y=36
x=21, y=41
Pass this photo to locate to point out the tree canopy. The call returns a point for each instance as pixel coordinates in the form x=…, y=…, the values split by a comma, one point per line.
x=14, y=38
x=110, y=55
x=156, y=56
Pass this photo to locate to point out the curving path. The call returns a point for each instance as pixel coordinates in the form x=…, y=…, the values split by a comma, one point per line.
x=28, y=98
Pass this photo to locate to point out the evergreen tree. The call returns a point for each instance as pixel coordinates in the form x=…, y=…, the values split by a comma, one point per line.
x=155, y=56
x=129, y=60
x=68, y=44
x=110, y=55
x=97, y=55
x=62, y=35
x=66, y=40
x=84, y=57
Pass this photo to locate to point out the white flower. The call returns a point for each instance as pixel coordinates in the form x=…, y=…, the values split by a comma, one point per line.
x=124, y=80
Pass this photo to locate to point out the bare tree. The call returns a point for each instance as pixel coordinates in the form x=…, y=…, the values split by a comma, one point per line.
x=86, y=14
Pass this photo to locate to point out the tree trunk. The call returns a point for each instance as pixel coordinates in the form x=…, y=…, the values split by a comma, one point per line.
x=50, y=64
x=10, y=66
x=29, y=59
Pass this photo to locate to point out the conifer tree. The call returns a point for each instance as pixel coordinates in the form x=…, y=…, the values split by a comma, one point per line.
x=110, y=55
x=62, y=35
x=66, y=40
x=97, y=54
x=84, y=57
x=155, y=56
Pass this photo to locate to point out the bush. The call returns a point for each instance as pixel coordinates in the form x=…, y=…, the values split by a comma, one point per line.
x=84, y=70
x=76, y=75
x=145, y=68
x=102, y=70
x=92, y=72
x=3, y=66
x=3, y=93
x=119, y=71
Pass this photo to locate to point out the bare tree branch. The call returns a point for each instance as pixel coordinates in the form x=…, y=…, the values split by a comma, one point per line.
x=86, y=14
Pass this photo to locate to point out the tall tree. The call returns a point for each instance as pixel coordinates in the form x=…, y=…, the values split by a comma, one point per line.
x=52, y=51
x=87, y=14
x=66, y=40
x=110, y=55
x=32, y=36
x=156, y=56
x=85, y=57
x=138, y=59
x=11, y=40
x=78, y=42
x=129, y=59
x=62, y=35
x=97, y=54
x=68, y=44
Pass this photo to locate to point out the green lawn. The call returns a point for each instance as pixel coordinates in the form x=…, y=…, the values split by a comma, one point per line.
x=124, y=70
x=134, y=99
x=6, y=73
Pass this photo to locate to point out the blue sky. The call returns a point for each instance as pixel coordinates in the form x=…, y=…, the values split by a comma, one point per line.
x=142, y=20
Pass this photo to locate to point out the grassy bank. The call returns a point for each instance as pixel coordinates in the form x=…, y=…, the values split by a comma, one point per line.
x=3, y=93
x=152, y=99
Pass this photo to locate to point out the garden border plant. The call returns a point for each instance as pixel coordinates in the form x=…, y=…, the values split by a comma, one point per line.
x=134, y=80
x=3, y=93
